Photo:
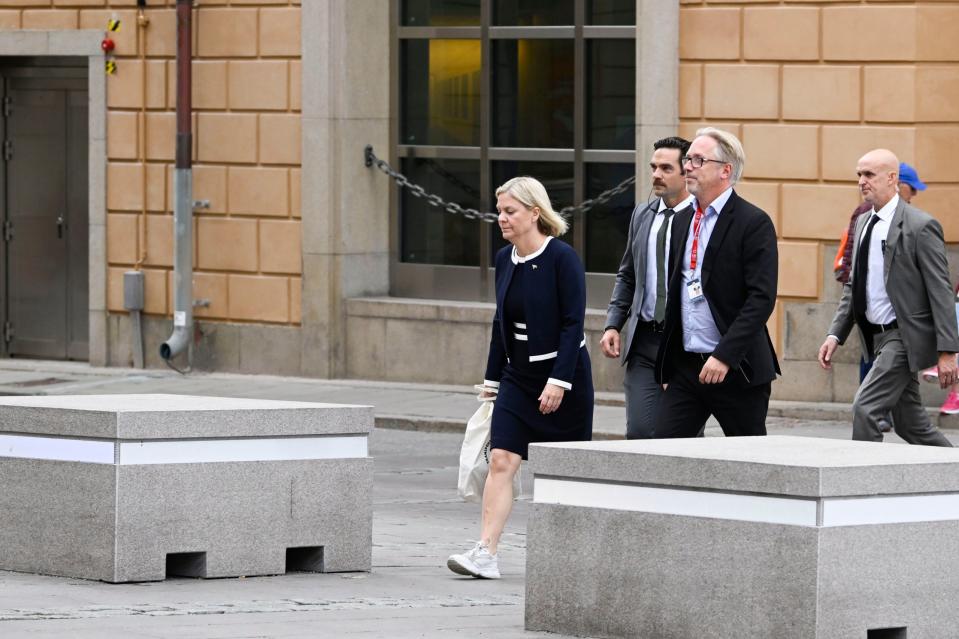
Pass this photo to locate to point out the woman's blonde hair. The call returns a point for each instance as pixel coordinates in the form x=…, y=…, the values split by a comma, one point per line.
x=530, y=192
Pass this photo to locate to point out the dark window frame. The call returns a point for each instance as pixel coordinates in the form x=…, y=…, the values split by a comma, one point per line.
x=472, y=283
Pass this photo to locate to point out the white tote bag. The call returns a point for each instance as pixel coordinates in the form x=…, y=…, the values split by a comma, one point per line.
x=474, y=455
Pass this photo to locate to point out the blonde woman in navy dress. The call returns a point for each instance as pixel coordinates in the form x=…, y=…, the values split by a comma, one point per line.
x=538, y=365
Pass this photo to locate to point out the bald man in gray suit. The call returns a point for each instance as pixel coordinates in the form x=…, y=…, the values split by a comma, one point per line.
x=900, y=297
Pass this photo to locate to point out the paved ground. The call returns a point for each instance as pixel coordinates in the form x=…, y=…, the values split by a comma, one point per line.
x=428, y=407
x=417, y=522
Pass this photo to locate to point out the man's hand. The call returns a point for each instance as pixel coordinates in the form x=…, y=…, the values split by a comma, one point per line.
x=948, y=370
x=714, y=371
x=610, y=343
x=550, y=398
x=826, y=351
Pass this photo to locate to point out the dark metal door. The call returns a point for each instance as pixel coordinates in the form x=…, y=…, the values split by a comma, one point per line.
x=45, y=153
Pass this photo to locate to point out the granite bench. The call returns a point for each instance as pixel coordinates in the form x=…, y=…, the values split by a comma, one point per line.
x=138, y=487
x=751, y=537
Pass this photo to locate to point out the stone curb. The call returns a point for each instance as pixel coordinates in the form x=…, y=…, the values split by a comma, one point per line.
x=812, y=412
x=445, y=425
x=815, y=411
x=843, y=413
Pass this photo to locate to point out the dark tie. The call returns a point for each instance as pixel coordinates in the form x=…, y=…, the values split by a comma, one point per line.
x=660, y=313
x=862, y=268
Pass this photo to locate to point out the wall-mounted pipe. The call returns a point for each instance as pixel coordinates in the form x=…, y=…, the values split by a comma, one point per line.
x=181, y=338
x=133, y=281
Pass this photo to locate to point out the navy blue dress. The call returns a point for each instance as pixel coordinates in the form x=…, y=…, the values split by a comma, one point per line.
x=516, y=421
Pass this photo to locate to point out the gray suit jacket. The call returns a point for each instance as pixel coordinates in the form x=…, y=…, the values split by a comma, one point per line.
x=627, y=300
x=916, y=273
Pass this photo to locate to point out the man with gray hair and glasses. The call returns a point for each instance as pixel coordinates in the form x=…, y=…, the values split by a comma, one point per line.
x=716, y=355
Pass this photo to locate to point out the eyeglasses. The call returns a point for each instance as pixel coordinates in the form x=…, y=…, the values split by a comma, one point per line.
x=697, y=161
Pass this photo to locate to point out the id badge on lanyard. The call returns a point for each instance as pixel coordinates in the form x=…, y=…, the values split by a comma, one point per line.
x=694, y=288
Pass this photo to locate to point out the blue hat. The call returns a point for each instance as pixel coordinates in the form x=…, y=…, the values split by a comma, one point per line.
x=908, y=175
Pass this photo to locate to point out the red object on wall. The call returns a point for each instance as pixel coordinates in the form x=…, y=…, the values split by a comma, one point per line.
x=107, y=45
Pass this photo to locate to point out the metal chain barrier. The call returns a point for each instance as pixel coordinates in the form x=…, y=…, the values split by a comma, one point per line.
x=472, y=214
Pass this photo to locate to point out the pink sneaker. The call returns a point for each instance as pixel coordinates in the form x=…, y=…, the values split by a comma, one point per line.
x=930, y=375
x=951, y=405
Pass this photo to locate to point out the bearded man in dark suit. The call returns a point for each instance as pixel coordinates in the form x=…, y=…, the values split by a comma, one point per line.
x=637, y=309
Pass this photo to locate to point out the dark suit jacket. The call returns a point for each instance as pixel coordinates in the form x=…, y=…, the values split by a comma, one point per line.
x=555, y=306
x=626, y=302
x=739, y=277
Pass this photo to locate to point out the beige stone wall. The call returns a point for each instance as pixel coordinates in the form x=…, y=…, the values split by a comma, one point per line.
x=246, y=127
x=809, y=87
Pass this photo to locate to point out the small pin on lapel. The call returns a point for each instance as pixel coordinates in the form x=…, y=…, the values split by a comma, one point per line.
x=534, y=266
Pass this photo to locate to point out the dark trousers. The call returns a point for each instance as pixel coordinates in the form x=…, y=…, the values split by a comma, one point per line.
x=642, y=391
x=687, y=404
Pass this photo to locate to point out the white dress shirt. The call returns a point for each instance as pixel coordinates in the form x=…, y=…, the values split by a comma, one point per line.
x=878, y=307
x=648, y=310
x=700, y=333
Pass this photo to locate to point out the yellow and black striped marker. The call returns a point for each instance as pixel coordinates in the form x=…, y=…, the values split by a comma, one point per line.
x=111, y=67
x=113, y=25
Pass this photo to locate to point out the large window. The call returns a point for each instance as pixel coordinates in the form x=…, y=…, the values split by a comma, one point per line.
x=441, y=92
x=485, y=90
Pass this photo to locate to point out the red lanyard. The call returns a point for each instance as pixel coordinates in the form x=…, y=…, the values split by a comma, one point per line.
x=697, y=227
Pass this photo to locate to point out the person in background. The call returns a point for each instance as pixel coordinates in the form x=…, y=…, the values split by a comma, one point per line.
x=909, y=185
x=951, y=405
x=900, y=298
x=538, y=365
x=634, y=320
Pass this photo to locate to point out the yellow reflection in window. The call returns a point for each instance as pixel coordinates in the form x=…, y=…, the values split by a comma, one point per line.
x=455, y=90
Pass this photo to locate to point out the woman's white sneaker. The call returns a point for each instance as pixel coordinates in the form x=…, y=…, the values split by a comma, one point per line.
x=478, y=562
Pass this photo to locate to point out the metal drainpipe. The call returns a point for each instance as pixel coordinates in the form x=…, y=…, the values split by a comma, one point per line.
x=181, y=340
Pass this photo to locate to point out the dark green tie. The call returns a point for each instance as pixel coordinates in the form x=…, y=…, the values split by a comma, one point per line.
x=661, y=275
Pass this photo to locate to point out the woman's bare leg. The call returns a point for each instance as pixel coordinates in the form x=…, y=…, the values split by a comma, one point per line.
x=498, y=496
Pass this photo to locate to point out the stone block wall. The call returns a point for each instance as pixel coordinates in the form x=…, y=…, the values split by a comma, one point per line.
x=809, y=87
x=272, y=273
x=442, y=342
x=246, y=128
